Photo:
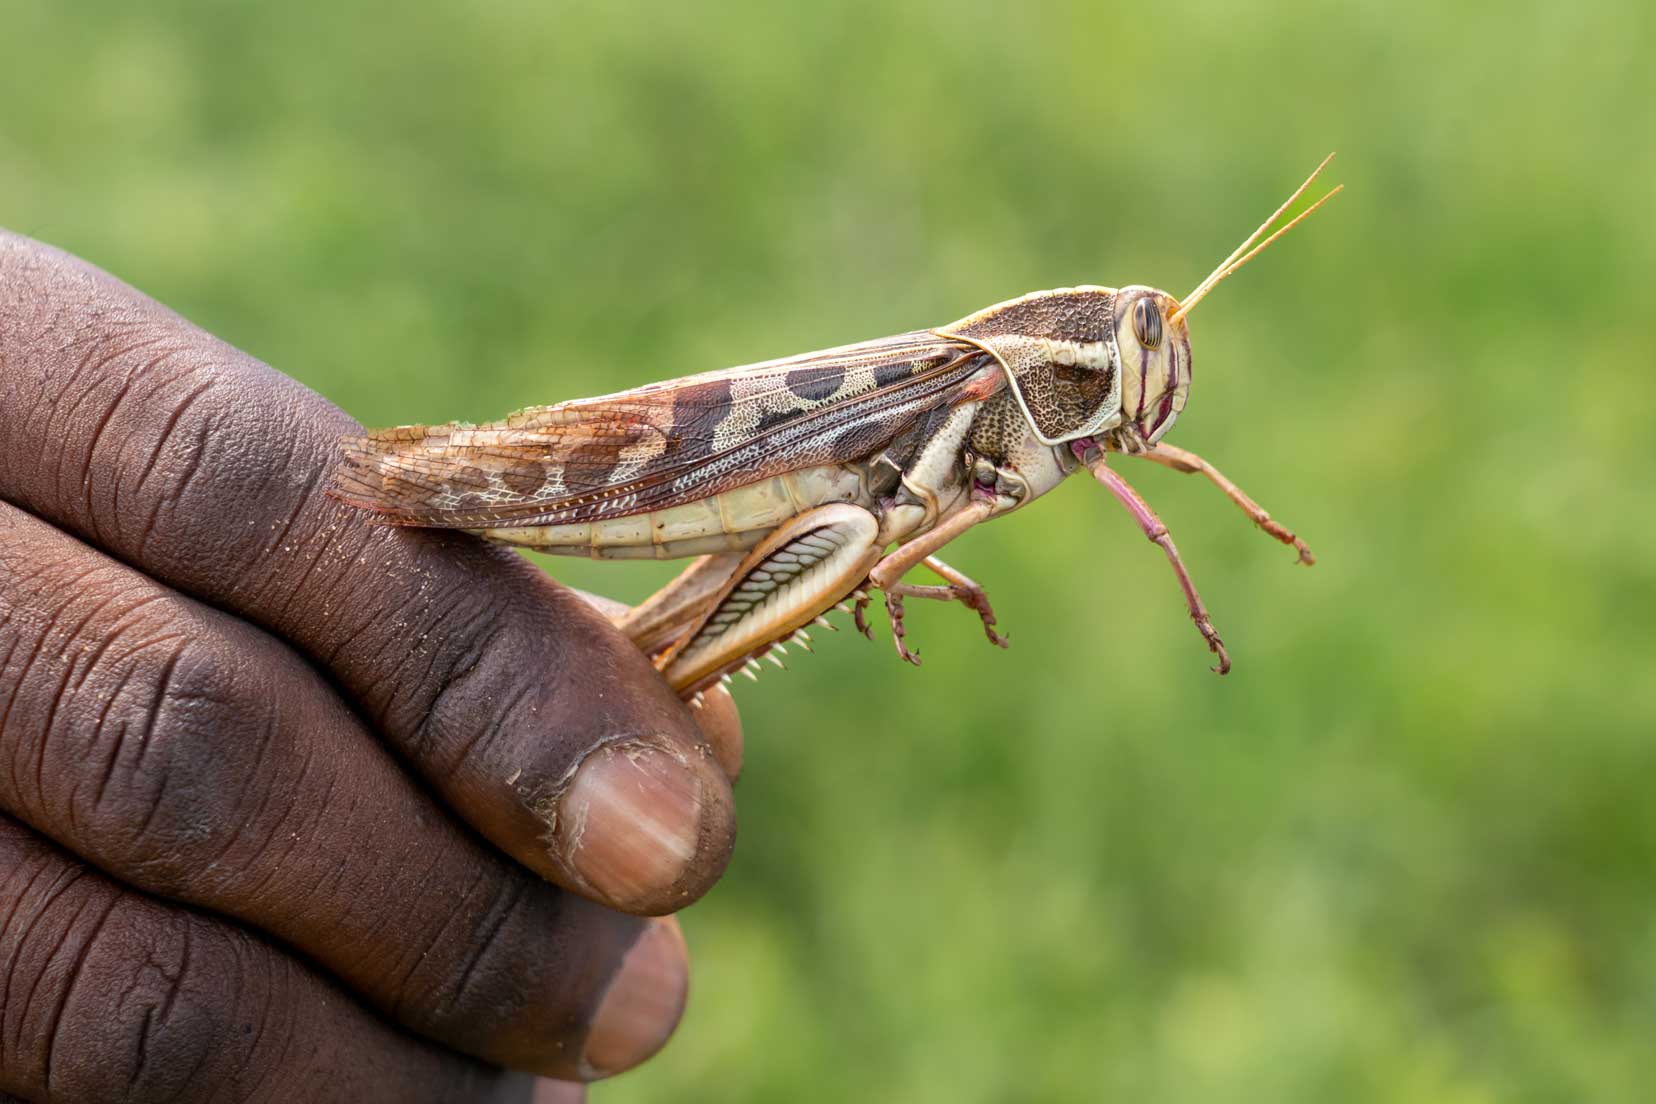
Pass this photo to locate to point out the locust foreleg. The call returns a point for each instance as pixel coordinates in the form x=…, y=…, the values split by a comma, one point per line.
x=1188, y=462
x=1157, y=532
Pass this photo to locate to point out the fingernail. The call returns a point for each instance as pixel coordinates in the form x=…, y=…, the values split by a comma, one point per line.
x=631, y=823
x=643, y=1003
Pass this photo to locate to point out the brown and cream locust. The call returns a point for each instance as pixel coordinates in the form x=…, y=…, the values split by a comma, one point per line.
x=800, y=484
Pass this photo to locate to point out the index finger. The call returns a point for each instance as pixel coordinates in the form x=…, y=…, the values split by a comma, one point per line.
x=195, y=463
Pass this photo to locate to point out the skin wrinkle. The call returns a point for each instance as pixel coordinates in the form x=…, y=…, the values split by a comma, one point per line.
x=282, y=1012
x=416, y=959
x=10, y=902
x=161, y=1011
x=263, y=736
x=201, y=1053
x=313, y=827
x=107, y=767
x=86, y=663
x=297, y=837
x=146, y=727
x=153, y=389
x=233, y=837
x=119, y=630
x=304, y=496
x=306, y=493
x=163, y=439
x=39, y=790
x=141, y=1059
x=334, y=658
x=123, y=386
x=90, y=661
x=64, y=880
x=69, y=637
x=407, y=881
x=5, y=714
x=168, y=427
x=186, y=950
x=484, y=733
x=164, y=503
x=191, y=1030
x=120, y=742
x=480, y=945
x=81, y=953
x=426, y=740
x=164, y=693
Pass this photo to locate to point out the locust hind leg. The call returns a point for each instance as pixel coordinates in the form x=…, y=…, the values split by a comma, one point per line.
x=666, y=615
x=806, y=566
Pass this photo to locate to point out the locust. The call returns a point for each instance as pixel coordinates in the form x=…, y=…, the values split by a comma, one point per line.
x=800, y=485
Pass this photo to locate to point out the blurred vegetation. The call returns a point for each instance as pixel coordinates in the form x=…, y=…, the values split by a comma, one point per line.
x=1405, y=852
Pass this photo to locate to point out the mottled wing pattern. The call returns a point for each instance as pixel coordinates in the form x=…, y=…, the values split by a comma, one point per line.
x=658, y=445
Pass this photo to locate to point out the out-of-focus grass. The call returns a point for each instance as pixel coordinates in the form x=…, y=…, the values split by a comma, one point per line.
x=1406, y=852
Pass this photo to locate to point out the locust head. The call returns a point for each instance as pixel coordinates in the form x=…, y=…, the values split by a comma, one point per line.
x=1154, y=347
x=1098, y=366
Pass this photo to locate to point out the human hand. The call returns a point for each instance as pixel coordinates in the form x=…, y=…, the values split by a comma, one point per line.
x=254, y=753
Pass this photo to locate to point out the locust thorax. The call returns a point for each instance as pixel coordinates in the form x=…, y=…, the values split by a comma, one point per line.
x=1155, y=365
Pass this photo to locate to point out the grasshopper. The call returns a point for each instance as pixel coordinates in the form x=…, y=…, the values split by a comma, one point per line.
x=791, y=481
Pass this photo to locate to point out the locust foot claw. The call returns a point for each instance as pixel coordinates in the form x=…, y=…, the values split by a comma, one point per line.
x=1286, y=536
x=976, y=598
x=894, y=611
x=1215, y=645
x=857, y=617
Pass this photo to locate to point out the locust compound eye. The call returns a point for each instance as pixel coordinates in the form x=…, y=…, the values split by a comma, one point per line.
x=1147, y=323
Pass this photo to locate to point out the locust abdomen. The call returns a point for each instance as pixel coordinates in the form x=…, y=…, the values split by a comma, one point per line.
x=730, y=522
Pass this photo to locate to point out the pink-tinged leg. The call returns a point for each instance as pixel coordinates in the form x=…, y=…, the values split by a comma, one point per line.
x=889, y=572
x=859, y=610
x=1188, y=462
x=960, y=588
x=1157, y=532
x=894, y=614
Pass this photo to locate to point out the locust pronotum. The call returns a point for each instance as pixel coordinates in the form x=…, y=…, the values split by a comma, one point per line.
x=791, y=479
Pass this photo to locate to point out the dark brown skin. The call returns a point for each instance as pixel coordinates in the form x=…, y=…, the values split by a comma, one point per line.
x=281, y=791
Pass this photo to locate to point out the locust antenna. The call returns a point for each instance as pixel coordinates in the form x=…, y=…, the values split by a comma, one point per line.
x=1242, y=254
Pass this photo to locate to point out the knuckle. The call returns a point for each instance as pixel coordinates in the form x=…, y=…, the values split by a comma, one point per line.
x=138, y=429
x=465, y=993
x=454, y=686
x=118, y=999
x=181, y=1018
x=118, y=396
x=182, y=761
x=146, y=730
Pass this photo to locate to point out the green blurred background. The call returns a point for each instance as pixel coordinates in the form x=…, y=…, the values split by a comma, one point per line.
x=1405, y=852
